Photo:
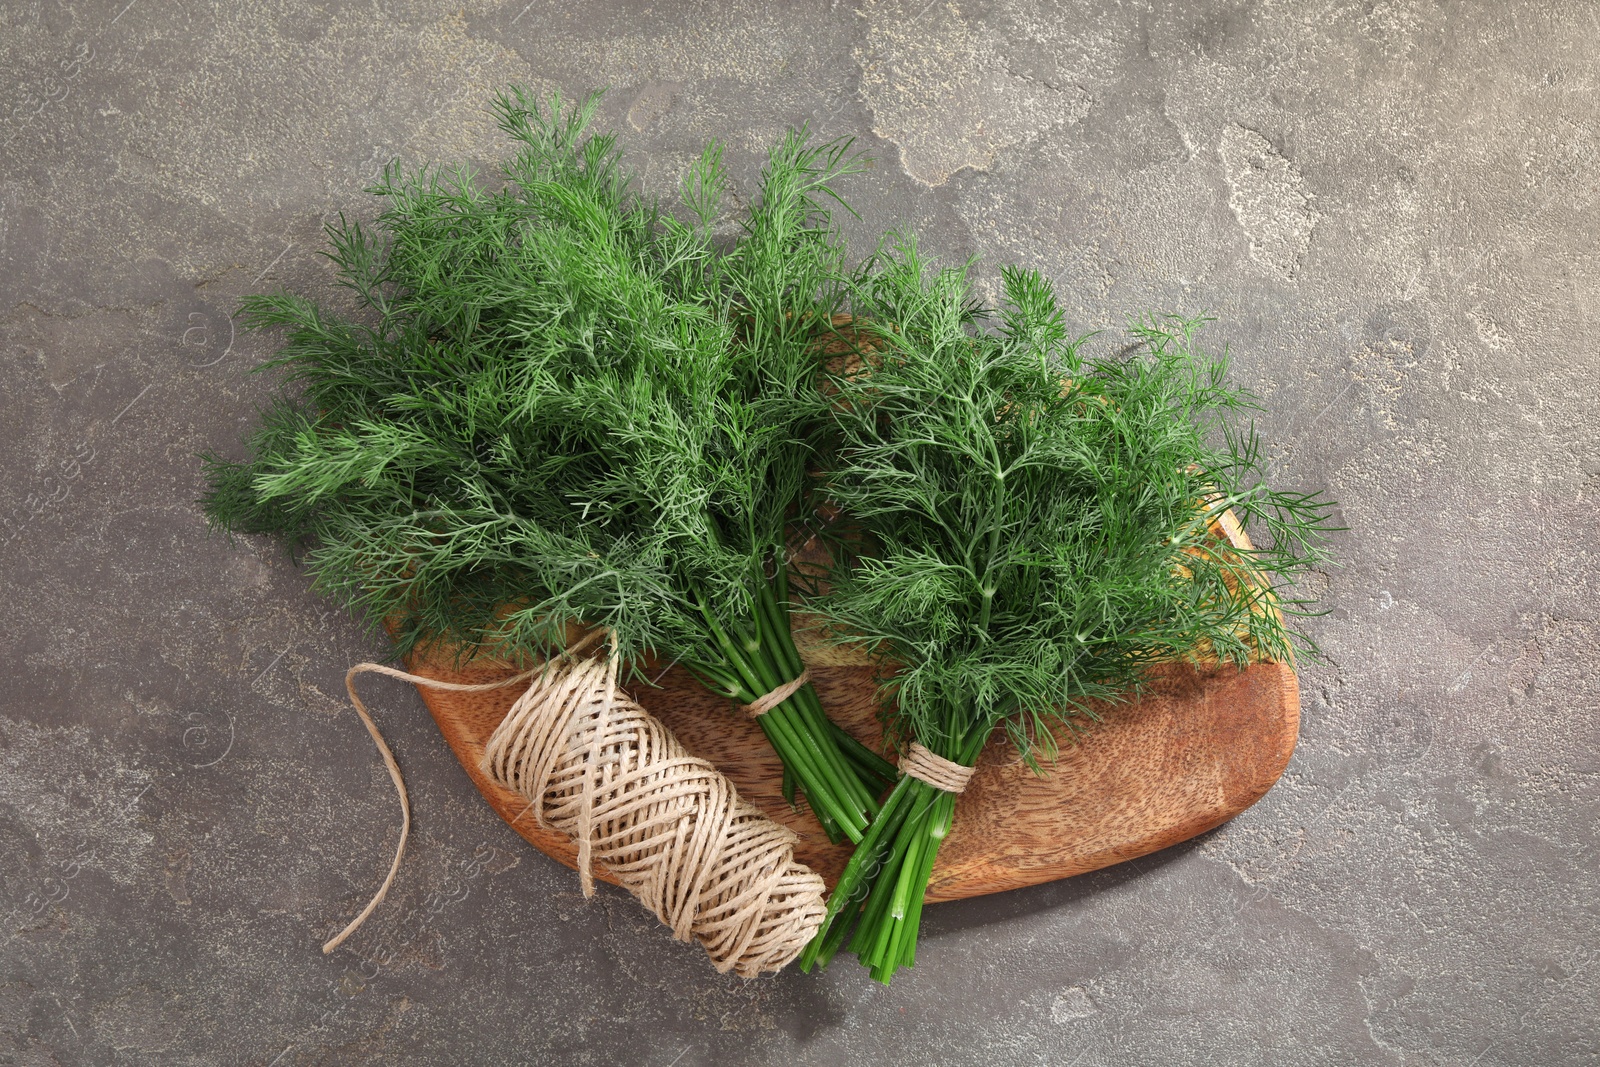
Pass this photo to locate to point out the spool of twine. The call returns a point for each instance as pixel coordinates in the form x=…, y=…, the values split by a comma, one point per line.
x=674, y=832
x=596, y=766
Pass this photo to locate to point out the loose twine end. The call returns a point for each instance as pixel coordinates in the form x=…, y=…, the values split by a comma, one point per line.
x=394, y=771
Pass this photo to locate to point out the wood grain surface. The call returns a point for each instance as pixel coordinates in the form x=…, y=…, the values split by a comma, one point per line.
x=1197, y=748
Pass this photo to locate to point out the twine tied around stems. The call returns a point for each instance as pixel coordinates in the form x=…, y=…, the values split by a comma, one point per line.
x=674, y=832
x=927, y=766
x=765, y=703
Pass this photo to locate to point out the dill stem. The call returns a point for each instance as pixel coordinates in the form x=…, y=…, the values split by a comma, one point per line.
x=820, y=729
x=872, y=767
x=778, y=638
x=823, y=787
x=867, y=853
x=939, y=827
x=827, y=943
x=831, y=779
x=911, y=864
x=886, y=936
x=871, y=940
x=787, y=736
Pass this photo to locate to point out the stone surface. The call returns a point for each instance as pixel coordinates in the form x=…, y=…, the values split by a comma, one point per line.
x=1388, y=206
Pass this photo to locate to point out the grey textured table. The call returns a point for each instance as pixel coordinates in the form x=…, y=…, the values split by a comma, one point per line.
x=1391, y=208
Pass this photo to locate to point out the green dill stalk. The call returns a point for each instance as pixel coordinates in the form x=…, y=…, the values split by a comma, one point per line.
x=1032, y=534
x=554, y=403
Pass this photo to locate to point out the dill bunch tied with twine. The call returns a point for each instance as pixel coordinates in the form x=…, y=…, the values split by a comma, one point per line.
x=559, y=404
x=1032, y=533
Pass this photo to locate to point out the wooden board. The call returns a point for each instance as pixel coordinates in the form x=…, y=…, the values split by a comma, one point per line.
x=1199, y=747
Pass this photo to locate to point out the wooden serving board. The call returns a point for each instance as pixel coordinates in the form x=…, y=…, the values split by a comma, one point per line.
x=1197, y=749
x=1200, y=746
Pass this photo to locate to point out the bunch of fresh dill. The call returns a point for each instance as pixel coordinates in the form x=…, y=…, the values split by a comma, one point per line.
x=1033, y=533
x=560, y=404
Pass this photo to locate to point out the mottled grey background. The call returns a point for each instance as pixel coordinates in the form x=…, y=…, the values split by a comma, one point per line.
x=1391, y=208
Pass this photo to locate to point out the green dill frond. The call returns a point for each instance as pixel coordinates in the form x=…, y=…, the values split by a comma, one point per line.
x=1035, y=520
x=557, y=402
